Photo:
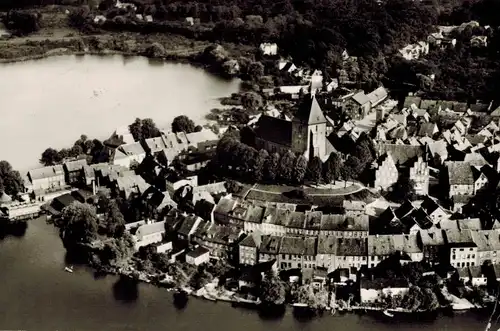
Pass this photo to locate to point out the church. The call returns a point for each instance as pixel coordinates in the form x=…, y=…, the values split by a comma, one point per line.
x=306, y=134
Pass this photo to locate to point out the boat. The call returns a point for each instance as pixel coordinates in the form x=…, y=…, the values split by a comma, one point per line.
x=209, y=297
x=387, y=313
x=68, y=269
x=180, y=298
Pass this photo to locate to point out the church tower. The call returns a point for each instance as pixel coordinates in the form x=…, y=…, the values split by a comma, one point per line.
x=309, y=129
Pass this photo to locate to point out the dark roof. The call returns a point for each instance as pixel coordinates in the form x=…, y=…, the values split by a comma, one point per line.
x=188, y=224
x=62, y=201
x=310, y=112
x=296, y=220
x=403, y=210
x=327, y=244
x=292, y=245
x=412, y=100
x=460, y=173
x=401, y=154
x=429, y=205
x=270, y=245
x=352, y=247
x=275, y=130
x=198, y=251
x=379, y=284
x=313, y=220
x=479, y=107
x=252, y=240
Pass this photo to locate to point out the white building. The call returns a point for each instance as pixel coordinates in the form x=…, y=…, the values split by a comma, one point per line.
x=198, y=256
x=269, y=48
x=149, y=233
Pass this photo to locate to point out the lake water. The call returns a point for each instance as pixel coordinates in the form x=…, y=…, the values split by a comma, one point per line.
x=51, y=102
x=38, y=295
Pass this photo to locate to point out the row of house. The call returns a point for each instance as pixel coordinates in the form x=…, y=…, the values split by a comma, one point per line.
x=169, y=146
x=280, y=221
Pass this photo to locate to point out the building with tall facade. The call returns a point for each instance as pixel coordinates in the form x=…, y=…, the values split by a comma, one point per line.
x=305, y=134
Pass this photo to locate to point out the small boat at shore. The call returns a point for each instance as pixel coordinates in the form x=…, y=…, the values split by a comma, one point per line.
x=68, y=269
x=209, y=297
x=388, y=314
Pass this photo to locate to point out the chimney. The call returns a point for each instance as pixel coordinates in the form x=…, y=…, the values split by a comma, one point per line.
x=93, y=188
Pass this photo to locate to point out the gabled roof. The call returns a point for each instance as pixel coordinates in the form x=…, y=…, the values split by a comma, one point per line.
x=327, y=244
x=252, y=240
x=270, y=245
x=361, y=98
x=310, y=112
x=377, y=95
x=401, y=154
x=146, y=229
x=352, y=247
x=292, y=245
x=46, y=172
x=460, y=173
x=75, y=165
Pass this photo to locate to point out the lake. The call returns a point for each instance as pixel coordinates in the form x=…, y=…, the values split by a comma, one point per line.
x=38, y=295
x=52, y=101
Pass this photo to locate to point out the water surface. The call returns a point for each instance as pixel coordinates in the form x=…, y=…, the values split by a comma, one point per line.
x=38, y=295
x=50, y=102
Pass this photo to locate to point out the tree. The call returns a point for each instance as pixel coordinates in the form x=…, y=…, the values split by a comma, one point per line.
x=402, y=190
x=50, y=157
x=331, y=168
x=251, y=100
x=200, y=278
x=78, y=224
x=272, y=290
x=285, y=169
x=314, y=169
x=136, y=129
x=259, y=164
x=183, y=124
x=11, y=180
x=300, y=168
x=352, y=168
x=76, y=151
x=271, y=167
x=114, y=222
x=149, y=129
x=255, y=70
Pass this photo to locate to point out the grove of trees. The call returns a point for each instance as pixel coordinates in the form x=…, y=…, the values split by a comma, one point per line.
x=143, y=129
x=10, y=180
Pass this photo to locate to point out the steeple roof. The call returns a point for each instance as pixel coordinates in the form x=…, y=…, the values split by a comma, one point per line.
x=310, y=112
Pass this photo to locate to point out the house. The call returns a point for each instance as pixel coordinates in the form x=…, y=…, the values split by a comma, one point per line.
x=386, y=173
x=287, y=66
x=479, y=41
x=372, y=291
x=248, y=249
x=188, y=227
x=351, y=252
x=220, y=239
x=463, y=250
x=198, y=256
x=380, y=247
x=291, y=253
x=459, y=201
x=269, y=49
x=358, y=106
x=414, y=51
x=296, y=222
x=149, y=233
x=73, y=171
x=269, y=248
x=274, y=221
x=130, y=184
x=411, y=247
x=465, y=179
x=488, y=246
x=129, y=154
x=377, y=96
x=343, y=226
x=433, y=244
x=326, y=250
x=477, y=276
x=99, y=19
x=222, y=210
x=433, y=210
x=47, y=178
x=189, y=21
x=419, y=174
x=354, y=208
